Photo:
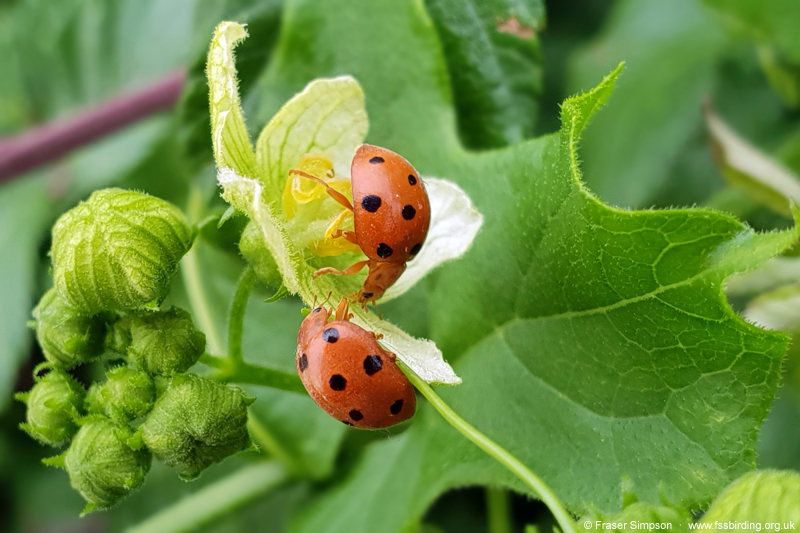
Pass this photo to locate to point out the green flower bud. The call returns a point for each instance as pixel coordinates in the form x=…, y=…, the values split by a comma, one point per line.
x=196, y=422
x=67, y=337
x=118, y=250
x=101, y=465
x=127, y=395
x=53, y=404
x=255, y=252
x=761, y=496
x=118, y=336
x=164, y=342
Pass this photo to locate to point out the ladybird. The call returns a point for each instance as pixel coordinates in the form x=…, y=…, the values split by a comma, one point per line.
x=391, y=216
x=348, y=374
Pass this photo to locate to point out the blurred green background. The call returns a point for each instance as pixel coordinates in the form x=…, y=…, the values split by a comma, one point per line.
x=650, y=148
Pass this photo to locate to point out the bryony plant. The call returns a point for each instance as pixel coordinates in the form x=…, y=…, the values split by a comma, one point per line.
x=292, y=218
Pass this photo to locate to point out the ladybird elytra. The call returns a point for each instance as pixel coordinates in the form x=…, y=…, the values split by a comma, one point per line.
x=391, y=217
x=348, y=374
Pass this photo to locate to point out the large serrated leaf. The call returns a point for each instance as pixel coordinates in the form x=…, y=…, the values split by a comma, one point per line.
x=595, y=343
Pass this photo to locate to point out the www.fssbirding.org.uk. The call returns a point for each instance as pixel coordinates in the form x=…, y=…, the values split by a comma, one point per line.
x=754, y=526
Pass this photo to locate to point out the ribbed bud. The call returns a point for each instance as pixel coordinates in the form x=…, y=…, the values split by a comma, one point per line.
x=67, y=337
x=196, y=422
x=118, y=336
x=118, y=250
x=101, y=465
x=53, y=404
x=163, y=342
x=127, y=395
x=765, y=496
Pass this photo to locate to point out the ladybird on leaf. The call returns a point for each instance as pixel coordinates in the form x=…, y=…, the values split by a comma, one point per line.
x=348, y=374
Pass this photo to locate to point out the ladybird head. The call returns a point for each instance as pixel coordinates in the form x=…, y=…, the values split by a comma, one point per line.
x=312, y=325
x=381, y=276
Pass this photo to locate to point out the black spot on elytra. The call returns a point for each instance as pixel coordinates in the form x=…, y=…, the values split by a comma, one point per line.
x=302, y=363
x=330, y=335
x=415, y=249
x=384, y=250
x=356, y=415
x=371, y=203
x=396, y=407
x=372, y=363
x=375, y=160
x=367, y=295
x=337, y=382
x=412, y=179
x=409, y=212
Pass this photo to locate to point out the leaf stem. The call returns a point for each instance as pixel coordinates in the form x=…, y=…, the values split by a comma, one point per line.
x=498, y=509
x=505, y=458
x=266, y=377
x=216, y=499
x=193, y=281
x=236, y=316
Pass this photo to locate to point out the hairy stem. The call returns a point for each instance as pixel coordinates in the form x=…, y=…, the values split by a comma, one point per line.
x=193, y=281
x=236, y=316
x=498, y=509
x=246, y=373
x=216, y=499
x=502, y=455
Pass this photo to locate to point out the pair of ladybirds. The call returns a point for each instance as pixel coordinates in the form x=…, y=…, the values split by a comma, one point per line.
x=341, y=365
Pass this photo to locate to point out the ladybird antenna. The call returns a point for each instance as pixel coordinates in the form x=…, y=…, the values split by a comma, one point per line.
x=327, y=299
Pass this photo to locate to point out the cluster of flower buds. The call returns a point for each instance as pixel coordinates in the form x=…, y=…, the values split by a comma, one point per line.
x=113, y=258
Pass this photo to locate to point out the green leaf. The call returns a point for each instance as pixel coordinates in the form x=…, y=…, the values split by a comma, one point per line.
x=595, y=343
x=494, y=63
x=771, y=23
x=24, y=215
x=766, y=496
x=670, y=49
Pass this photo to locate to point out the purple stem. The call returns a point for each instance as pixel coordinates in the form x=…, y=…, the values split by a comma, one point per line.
x=44, y=144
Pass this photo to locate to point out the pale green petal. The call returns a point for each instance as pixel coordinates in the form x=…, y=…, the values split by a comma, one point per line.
x=454, y=224
x=232, y=148
x=328, y=117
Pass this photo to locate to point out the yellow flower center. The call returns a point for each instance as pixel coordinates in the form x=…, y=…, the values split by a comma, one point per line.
x=307, y=202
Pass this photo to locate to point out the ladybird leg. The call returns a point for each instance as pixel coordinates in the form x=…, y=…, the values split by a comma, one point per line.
x=336, y=195
x=343, y=310
x=352, y=269
x=378, y=336
x=349, y=235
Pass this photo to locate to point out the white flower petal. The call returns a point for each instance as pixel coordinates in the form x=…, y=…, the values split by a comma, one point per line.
x=454, y=224
x=421, y=355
